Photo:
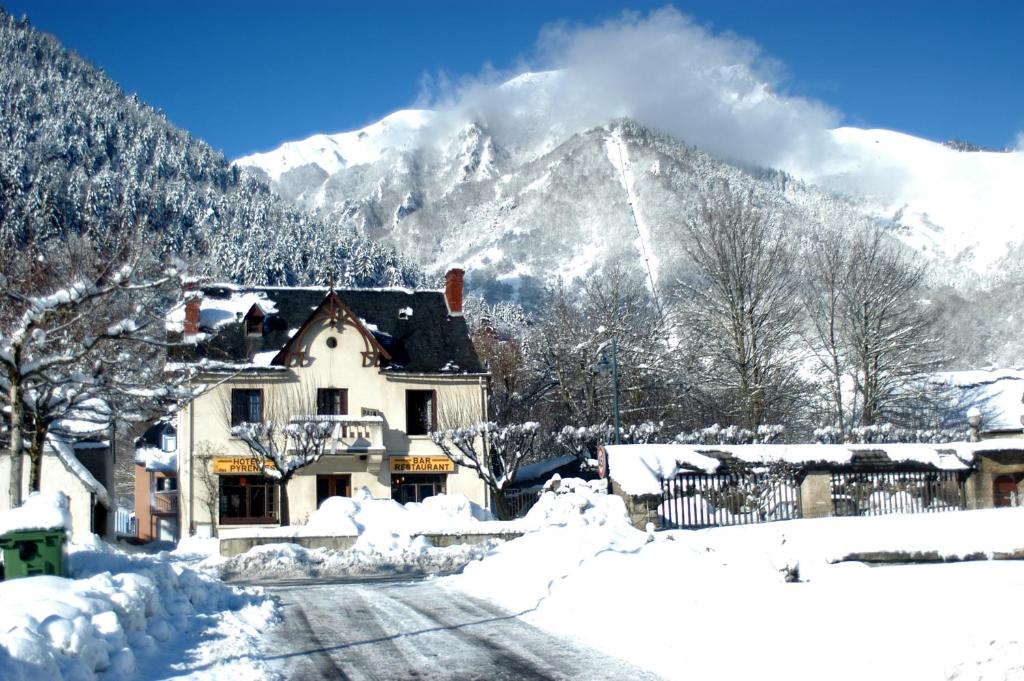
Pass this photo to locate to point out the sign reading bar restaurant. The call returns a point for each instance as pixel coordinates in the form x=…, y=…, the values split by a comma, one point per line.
x=237, y=464
x=422, y=464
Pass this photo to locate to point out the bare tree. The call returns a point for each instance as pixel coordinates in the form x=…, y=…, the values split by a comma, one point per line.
x=889, y=329
x=575, y=326
x=827, y=261
x=495, y=453
x=63, y=328
x=208, y=481
x=290, y=436
x=742, y=303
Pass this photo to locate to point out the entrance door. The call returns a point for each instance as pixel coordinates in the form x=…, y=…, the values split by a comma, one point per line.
x=332, y=486
x=407, y=488
x=1004, y=491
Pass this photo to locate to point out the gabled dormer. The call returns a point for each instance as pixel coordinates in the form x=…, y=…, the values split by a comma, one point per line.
x=253, y=322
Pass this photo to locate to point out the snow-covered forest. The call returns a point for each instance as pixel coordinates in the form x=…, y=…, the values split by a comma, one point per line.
x=82, y=159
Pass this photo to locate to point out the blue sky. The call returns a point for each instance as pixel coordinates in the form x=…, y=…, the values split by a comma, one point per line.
x=246, y=76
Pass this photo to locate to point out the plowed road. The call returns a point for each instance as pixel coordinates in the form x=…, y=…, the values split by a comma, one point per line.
x=391, y=629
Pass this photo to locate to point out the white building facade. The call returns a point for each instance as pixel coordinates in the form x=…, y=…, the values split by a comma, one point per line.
x=380, y=365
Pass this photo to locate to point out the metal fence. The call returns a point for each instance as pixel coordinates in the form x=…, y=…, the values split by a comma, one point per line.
x=520, y=501
x=125, y=523
x=884, y=492
x=693, y=500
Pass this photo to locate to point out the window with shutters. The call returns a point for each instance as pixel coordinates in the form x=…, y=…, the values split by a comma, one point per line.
x=331, y=401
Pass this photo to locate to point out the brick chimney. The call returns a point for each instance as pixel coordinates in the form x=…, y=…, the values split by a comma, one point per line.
x=453, y=289
x=193, y=298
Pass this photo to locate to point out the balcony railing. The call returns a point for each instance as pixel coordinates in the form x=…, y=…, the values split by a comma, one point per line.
x=164, y=502
x=352, y=434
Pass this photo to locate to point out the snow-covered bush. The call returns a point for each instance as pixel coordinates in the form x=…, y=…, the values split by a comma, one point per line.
x=732, y=435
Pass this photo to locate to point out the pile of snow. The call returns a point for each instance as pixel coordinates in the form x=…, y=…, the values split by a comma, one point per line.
x=41, y=511
x=361, y=513
x=389, y=538
x=376, y=553
x=128, y=615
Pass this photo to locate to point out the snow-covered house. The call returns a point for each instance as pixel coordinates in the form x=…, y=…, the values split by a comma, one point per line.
x=996, y=394
x=84, y=471
x=156, y=483
x=378, y=364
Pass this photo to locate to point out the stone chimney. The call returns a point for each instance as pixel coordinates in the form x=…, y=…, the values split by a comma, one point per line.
x=193, y=298
x=453, y=289
x=974, y=424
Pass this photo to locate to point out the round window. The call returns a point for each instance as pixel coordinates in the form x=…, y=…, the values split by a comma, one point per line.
x=332, y=342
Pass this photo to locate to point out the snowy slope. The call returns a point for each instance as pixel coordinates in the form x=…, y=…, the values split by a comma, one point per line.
x=345, y=149
x=958, y=206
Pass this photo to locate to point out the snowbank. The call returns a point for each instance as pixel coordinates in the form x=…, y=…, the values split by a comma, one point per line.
x=127, y=616
x=41, y=511
x=356, y=515
x=683, y=603
x=388, y=539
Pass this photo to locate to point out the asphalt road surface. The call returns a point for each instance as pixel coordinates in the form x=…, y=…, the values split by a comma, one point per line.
x=395, y=629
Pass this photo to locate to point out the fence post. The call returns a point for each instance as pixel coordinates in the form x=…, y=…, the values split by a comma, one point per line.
x=816, y=495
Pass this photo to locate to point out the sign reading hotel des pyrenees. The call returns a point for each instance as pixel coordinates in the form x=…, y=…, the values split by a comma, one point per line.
x=422, y=464
x=237, y=464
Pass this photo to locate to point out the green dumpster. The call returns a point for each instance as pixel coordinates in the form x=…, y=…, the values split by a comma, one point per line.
x=28, y=553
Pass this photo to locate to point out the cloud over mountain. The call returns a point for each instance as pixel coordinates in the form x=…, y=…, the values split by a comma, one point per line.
x=716, y=91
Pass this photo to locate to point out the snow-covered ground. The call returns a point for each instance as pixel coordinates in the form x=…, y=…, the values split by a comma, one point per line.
x=759, y=601
x=722, y=603
x=126, y=616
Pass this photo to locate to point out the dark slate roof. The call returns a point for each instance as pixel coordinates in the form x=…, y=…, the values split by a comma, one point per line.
x=428, y=341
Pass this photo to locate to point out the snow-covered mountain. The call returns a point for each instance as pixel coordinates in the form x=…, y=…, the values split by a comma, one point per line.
x=956, y=206
x=518, y=200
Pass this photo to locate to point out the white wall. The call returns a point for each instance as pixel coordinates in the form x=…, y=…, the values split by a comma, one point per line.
x=54, y=476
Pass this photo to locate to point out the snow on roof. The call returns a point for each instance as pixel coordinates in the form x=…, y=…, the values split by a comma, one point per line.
x=41, y=511
x=65, y=452
x=639, y=469
x=541, y=468
x=156, y=459
x=215, y=312
x=996, y=392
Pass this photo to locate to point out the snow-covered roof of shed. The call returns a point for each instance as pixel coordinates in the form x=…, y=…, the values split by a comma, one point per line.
x=538, y=469
x=995, y=392
x=639, y=469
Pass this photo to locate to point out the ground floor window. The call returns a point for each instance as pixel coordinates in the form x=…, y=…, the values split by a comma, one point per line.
x=247, y=499
x=332, y=486
x=406, y=488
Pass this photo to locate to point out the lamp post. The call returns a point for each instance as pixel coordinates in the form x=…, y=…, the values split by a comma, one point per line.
x=605, y=367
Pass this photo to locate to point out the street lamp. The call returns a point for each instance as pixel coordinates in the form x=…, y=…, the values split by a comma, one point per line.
x=604, y=367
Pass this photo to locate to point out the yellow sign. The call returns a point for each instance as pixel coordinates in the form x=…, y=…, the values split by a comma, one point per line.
x=237, y=464
x=422, y=464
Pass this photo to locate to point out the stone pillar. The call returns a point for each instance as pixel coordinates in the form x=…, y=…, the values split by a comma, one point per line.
x=642, y=509
x=816, y=495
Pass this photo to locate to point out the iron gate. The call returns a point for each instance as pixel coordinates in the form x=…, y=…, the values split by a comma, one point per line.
x=693, y=500
x=885, y=492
